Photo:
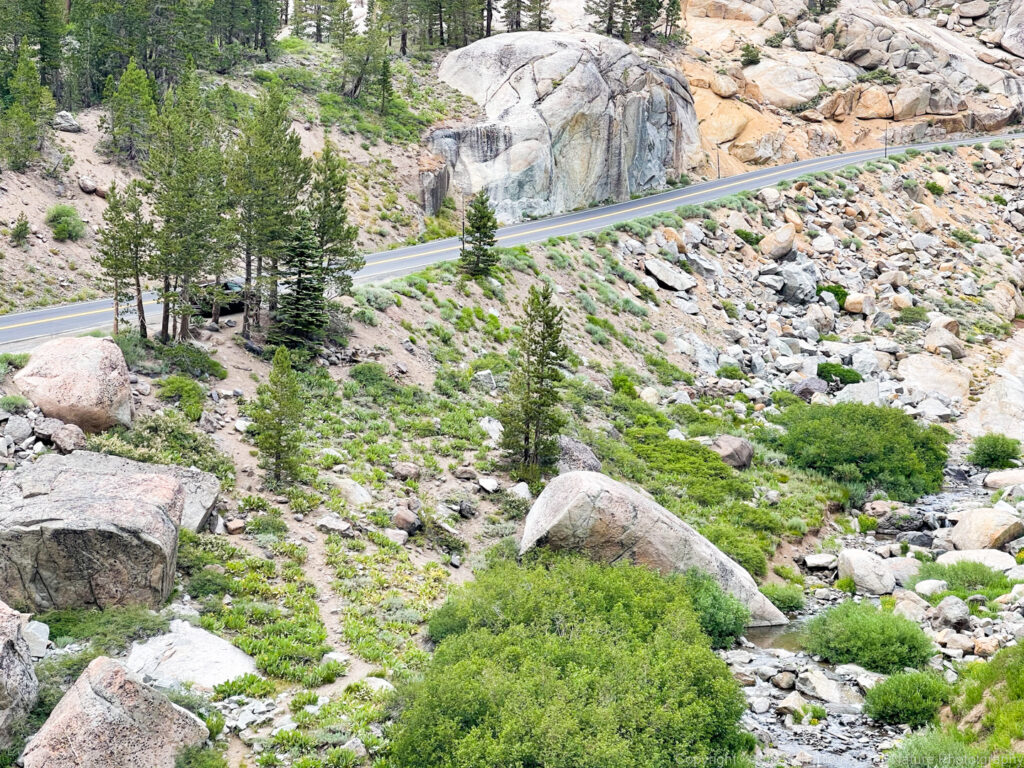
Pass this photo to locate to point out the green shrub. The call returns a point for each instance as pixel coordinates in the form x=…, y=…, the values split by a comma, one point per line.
x=965, y=579
x=882, y=76
x=838, y=374
x=993, y=451
x=190, y=359
x=21, y=230
x=14, y=403
x=65, y=222
x=912, y=315
x=867, y=523
x=872, y=445
x=847, y=585
x=166, y=438
x=110, y=630
x=907, y=698
x=187, y=392
x=748, y=237
x=786, y=597
x=838, y=291
x=253, y=686
x=860, y=633
x=611, y=659
x=934, y=187
x=733, y=372
x=937, y=748
x=692, y=467
x=666, y=372
x=201, y=756
x=721, y=616
x=622, y=383
x=751, y=55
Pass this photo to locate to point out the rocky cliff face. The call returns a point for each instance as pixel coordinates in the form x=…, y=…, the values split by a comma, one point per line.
x=569, y=119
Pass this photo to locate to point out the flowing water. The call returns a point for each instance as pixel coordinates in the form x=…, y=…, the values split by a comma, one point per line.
x=845, y=738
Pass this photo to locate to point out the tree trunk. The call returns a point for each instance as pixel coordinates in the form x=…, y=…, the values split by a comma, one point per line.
x=165, y=319
x=117, y=305
x=140, y=307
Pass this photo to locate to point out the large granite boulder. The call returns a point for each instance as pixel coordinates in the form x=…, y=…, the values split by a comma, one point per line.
x=201, y=489
x=869, y=572
x=188, y=656
x=82, y=381
x=567, y=119
x=70, y=539
x=930, y=373
x=107, y=719
x=993, y=558
x=590, y=513
x=986, y=529
x=18, y=685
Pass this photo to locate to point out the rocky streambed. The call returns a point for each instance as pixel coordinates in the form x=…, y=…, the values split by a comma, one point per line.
x=804, y=711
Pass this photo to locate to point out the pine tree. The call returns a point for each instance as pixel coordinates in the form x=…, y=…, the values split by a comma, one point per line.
x=478, y=256
x=673, y=14
x=277, y=417
x=343, y=26
x=131, y=115
x=125, y=248
x=529, y=411
x=512, y=14
x=23, y=124
x=301, y=318
x=644, y=14
x=48, y=30
x=267, y=174
x=607, y=13
x=384, y=86
x=186, y=166
x=21, y=230
x=335, y=236
x=537, y=17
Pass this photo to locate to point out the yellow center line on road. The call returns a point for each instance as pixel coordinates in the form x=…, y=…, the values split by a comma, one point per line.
x=781, y=172
x=66, y=317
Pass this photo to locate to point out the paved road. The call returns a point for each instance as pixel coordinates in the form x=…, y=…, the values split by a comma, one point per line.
x=17, y=329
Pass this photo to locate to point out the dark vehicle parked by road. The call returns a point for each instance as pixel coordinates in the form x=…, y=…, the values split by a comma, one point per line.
x=229, y=295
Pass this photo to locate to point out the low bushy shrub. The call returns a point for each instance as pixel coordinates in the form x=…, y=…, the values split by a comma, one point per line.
x=907, y=698
x=912, y=315
x=166, y=438
x=876, y=446
x=65, y=222
x=965, y=579
x=860, y=633
x=721, y=616
x=611, y=659
x=838, y=374
x=786, y=597
x=110, y=630
x=993, y=451
x=937, y=748
x=838, y=291
x=185, y=391
x=253, y=686
x=748, y=237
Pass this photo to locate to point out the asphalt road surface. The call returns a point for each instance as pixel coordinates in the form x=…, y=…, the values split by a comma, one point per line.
x=18, y=329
